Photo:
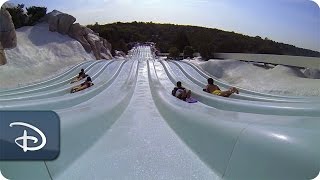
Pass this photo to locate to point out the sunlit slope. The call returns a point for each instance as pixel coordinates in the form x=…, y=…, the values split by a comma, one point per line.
x=38, y=55
x=129, y=126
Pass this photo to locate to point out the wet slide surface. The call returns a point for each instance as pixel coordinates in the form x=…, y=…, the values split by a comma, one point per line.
x=129, y=126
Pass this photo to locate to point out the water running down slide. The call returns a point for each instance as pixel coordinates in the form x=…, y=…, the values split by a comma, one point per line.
x=131, y=127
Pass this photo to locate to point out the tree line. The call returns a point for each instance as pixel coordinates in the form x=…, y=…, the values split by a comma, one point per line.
x=29, y=16
x=177, y=39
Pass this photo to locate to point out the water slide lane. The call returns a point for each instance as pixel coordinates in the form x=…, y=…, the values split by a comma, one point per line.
x=129, y=126
x=292, y=109
x=139, y=145
x=58, y=79
x=104, y=71
x=201, y=81
x=68, y=99
x=92, y=116
x=63, y=75
x=93, y=68
x=225, y=85
x=280, y=133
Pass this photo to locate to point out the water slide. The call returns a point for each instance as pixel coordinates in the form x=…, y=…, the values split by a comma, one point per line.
x=129, y=126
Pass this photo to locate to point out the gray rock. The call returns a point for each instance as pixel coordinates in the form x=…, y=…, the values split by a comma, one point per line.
x=8, y=5
x=48, y=16
x=78, y=32
x=107, y=44
x=64, y=23
x=89, y=31
x=91, y=42
x=53, y=23
x=3, y=59
x=99, y=46
x=120, y=53
x=105, y=56
x=95, y=46
x=8, y=36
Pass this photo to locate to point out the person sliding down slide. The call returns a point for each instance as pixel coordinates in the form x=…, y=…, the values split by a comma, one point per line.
x=88, y=83
x=81, y=75
x=183, y=94
x=214, y=89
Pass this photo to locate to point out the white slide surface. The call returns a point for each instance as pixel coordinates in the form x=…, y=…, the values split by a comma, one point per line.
x=129, y=126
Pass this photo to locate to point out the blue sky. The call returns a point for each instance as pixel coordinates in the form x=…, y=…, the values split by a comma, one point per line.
x=294, y=22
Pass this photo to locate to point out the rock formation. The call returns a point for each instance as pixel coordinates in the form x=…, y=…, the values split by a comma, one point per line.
x=3, y=59
x=8, y=38
x=65, y=21
x=120, y=53
x=91, y=42
x=78, y=32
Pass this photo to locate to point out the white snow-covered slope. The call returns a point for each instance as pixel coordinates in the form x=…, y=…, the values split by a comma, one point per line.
x=277, y=80
x=38, y=55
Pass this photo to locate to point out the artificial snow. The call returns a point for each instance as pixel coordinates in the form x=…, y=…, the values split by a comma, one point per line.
x=39, y=55
x=277, y=79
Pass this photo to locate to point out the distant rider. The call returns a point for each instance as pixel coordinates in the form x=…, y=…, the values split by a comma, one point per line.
x=88, y=83
x=181, y=92
x=81, y=75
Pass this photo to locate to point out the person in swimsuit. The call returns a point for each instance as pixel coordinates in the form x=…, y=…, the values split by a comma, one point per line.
x=181, y=92
x=214, y=89
x=81, y=75
x=88, y=83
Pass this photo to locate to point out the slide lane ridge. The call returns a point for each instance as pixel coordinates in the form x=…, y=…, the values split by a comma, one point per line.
x=87, y=121
x=130, y=126
x=94, y=67
x=59, y=91
x=64, y=101
x=140, y=132
x=224, y=140
x=221, y=83
x=50, y=80
x=199, y=80
x=271, y=108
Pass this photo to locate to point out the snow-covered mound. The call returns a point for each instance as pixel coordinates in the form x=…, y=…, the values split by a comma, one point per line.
x=39, y=55
x=277, y=80
x=312, y=73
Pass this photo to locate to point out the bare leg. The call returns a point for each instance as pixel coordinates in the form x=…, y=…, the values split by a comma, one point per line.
x=77, y=88
x=188, y=94
x=229, y=92
x=234, y=90
x=226, y=93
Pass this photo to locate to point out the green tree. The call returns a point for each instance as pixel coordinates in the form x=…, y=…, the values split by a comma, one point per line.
x=174, y=52
x=188, y=52
x=19, y=18
x=206, y=51
x=120, y=45
x=182, y=40
x=206, y=40
x=35, y=14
